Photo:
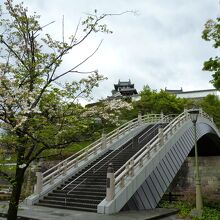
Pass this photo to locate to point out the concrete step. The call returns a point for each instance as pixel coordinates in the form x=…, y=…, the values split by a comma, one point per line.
x=68, y=203
x=98, y=193
x=84, y=188
x=73, y=199
x=68, y=207
x=88, y=185
x=74, y=195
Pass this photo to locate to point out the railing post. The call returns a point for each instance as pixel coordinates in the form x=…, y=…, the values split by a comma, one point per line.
x=110, y=183
x=39, y=184
x=95, y=151
x=130, y=126
x=127, y=167
x=132, y=167
x=117, y=133
x=141, y=162
x=39, y=175
x=139, y=118
x=52, y=180
x=200, y=111
x=64, y=167
x=104, y=142
x=76, y=163
x=86, y=155
x=171, y=130
x=185, y=114
x=59, y=168
x=161, y=117
x=147, y=118
x=161, y=137
x=122, y=182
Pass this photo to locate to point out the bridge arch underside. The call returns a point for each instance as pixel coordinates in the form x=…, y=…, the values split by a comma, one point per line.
x=152, y=190
x=208, y=145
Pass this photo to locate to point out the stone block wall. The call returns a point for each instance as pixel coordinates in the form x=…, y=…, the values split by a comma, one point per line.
x=209, y=168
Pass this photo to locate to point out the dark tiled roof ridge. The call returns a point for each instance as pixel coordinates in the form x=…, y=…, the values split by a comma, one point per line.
x=205, y=90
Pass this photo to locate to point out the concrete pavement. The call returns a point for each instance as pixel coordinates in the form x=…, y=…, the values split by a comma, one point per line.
x=46, y=213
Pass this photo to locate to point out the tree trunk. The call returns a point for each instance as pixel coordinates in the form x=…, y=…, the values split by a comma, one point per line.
x=15, y=196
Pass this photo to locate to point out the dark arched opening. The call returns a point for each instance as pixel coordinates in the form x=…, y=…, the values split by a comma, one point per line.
x=208, y=145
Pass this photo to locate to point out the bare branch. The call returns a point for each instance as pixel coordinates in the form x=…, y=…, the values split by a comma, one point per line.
x=44, y=27
x=63, y=29
x=11, y=49
x=74, y=36
x=116, y=14
x=47, y=24
x=72, y=69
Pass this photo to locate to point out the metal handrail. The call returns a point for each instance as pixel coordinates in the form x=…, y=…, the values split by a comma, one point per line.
x=138, y=158
x=150, y=130
x=60, y=166
x=93, y=167
x=69, y=162
x=117, y=173
x=93, y=172
x=122, y=172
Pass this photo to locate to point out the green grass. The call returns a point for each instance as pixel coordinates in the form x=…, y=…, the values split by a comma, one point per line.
x=210, y=211
x=184, y=207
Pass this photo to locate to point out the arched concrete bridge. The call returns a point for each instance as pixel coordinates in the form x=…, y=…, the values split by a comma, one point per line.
x=146, y=154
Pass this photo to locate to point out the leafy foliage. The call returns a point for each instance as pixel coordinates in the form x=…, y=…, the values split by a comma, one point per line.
x=212, y=33
x=209, y=213
x=35, y=114
x=211, y=105
x=156, y=102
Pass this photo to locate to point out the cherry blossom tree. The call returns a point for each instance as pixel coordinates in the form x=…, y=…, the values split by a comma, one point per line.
x=35, y=113
x=108, y=111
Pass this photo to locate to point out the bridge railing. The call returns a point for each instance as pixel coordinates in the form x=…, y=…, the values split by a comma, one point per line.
x=73, y=161
x=127, y=170
x=136, y=161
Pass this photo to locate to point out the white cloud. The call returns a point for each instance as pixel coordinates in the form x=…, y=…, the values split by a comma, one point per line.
x=162, y=47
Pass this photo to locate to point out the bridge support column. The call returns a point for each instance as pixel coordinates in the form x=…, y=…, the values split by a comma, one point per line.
x=110, y=184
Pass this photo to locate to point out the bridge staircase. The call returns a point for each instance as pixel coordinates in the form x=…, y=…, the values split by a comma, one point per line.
x=146, y=153
x=85, y=190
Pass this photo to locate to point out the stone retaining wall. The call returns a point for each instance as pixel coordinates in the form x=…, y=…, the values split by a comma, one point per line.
x=210, y=177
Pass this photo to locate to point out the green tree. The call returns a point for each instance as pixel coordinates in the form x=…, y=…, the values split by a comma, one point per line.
x=34, y=113
x=156, y=102
x=211, y=105
x=211, y=32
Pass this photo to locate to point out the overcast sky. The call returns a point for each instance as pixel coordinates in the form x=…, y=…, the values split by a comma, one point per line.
x=160, y=47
